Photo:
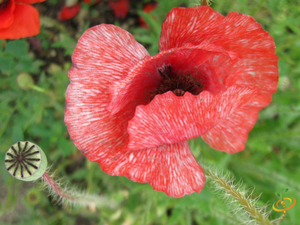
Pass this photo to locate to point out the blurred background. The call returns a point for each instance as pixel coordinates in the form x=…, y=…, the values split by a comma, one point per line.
x=269, y=164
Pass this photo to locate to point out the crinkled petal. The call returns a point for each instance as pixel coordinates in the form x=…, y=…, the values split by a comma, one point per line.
x=104, y=54
x=170, y=168
x=7, y=15
x=169, y=119
x=231, y=133
x=26, y=23
x=236, y=32
x=208, y=63
x=256, y=70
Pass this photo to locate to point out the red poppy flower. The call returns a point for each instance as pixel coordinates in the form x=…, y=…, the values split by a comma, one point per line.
x=133, y=113
x=119, y=7
x=18, y=19
x=67, y=13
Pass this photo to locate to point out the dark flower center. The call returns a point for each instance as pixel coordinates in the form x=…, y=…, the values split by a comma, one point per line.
x=3, y=4
x=177, y=83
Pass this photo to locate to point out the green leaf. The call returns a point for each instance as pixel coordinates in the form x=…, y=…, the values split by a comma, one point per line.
x=29, y=65
x=66, y=42
x=277, y=194
x=17, y=134
x=176, y=216
x=7, y=63
x=18, y=48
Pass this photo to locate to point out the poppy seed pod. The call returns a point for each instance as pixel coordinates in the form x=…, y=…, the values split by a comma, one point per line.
x=25, y=161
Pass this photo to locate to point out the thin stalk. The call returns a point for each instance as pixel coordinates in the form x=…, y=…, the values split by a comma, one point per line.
x=39, y=89
x=56, y=188
x=92, y=201
x=247, y=205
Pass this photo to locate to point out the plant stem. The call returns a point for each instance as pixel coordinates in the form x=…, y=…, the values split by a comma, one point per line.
x=247, y=205
x=39, y=89
x=92, y=201
x=55, y=187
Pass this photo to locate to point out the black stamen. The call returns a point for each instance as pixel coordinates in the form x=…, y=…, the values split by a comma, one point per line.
x=177, y=83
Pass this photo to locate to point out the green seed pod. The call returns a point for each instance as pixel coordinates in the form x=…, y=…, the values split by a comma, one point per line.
x=33, y=196
x=284, y=83
x=25, y=81
x=25, y=161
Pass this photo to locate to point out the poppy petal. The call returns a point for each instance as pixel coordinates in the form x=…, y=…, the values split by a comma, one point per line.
x=172, y=169
x=236, y=32
x=233, y=32
x=26, y=23
x=208, y=63
x=7, y=15
x=231, y=134
x=169, y=119
x=104, y=54
x=67, y=13
x=29, y=1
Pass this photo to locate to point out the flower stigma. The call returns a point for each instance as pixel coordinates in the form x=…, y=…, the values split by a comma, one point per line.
x=177, y=83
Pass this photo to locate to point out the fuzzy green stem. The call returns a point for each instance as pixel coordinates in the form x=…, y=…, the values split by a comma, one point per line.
x=85, y=200
x=56, y=188
x=254, y=213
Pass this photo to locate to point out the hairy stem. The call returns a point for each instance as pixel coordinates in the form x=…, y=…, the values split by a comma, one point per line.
x=92, y=201
x=56, y=188
x=247, y=205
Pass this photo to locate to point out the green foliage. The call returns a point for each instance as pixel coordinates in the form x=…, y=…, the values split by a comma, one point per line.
x=270, y=162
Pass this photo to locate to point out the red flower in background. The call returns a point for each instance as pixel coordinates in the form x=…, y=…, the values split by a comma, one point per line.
x=18, y=19
x=133, y=113
x=120, y=8
x=147, y=9
x=67, y=13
